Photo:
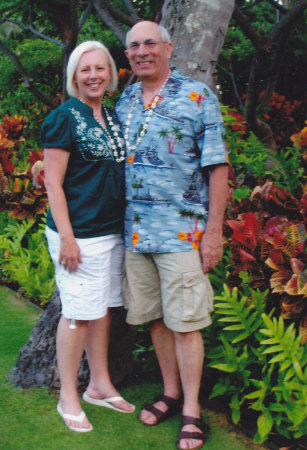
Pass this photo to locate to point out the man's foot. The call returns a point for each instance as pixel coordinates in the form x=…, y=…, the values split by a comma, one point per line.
x=162, y=408
x=193, y=433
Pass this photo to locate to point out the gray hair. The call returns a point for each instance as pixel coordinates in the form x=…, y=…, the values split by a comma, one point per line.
x=73, y=62
x=164, y=35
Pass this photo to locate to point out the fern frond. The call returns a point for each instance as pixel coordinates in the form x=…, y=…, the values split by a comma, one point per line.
x=242, y=312
x=287, y=346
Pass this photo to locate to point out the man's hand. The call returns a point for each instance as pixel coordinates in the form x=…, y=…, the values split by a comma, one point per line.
x=211, y=250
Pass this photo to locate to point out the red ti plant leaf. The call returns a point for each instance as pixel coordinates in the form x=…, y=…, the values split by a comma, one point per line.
x=274, y=224
x=271, y=195
x=35, y=156
x=12, y=126
x=7, y=167
x=246, y=231
x=247, y=244
x=245, y=256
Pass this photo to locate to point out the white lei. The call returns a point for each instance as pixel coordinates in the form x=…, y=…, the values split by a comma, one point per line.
x=130, y=147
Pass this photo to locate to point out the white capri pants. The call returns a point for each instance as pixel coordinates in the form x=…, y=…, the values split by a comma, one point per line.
x=87, y=293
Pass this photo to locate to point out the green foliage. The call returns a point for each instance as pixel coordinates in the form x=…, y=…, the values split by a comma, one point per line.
x=42, y=61
x=238, y=312
x=24, y=258
x=148, y=9
x=275, y=386
x=287, y=170
x=236, y=54
x=247, y=155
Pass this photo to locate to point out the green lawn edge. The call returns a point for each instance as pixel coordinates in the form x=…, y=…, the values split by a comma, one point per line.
x=29, y=419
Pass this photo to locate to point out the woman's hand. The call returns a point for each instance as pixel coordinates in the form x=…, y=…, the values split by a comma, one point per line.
x=70, y=256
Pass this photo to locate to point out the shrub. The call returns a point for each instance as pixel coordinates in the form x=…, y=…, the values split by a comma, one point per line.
x=261, y=363
x=24, y=258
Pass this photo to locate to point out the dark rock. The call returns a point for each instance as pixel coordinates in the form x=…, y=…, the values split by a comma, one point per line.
x=37, y=366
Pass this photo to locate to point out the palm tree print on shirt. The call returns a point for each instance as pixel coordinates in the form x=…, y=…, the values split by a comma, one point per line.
x=192, y=219
x=172, y=136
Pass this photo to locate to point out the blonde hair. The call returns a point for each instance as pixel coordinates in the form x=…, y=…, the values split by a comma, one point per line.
x=73, y=62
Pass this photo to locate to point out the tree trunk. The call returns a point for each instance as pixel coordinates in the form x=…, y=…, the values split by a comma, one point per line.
x=198, y=30
x=36, y=364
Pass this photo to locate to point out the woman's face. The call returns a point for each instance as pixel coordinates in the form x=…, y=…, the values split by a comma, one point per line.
x=92, y=75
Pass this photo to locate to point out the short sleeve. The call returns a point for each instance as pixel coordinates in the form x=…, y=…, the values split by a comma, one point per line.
x=211, y=140
x=55, y=130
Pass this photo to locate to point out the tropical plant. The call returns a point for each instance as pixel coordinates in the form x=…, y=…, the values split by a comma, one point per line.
x=248, y=374
x=22, y=190
x=25, y=260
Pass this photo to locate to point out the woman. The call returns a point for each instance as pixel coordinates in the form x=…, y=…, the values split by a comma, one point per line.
x=84, y=178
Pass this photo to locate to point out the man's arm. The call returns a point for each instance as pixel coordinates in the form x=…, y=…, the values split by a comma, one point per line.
x=211, y=245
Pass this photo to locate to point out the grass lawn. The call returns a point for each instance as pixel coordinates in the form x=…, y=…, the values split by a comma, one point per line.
x=28, y=418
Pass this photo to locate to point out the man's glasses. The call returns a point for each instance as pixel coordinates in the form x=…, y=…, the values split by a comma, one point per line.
x=149, y=44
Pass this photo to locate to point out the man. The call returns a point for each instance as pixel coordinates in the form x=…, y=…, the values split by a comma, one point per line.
x=176, y=167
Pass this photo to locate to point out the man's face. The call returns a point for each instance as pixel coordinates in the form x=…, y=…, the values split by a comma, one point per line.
x=147, y=54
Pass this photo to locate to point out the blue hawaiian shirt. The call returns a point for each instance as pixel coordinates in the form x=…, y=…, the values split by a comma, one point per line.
x=166, y=181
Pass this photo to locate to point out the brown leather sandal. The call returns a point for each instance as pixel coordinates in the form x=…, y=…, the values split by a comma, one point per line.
x=174, y=407
x=199, y=435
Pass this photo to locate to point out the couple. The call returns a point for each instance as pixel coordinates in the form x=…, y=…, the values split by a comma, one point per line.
x=172, y=133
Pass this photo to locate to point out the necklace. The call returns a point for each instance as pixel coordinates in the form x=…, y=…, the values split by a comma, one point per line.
x=116, y=143
x=130, y=147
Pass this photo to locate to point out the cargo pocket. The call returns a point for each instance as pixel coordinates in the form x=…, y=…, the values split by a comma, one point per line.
x=70, y=287
x=197, y=297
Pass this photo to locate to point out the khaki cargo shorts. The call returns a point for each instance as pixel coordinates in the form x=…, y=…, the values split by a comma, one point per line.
x=171, y=286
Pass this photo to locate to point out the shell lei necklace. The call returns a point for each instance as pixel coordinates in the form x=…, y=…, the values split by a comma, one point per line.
x=119, y=157
x=130, y=147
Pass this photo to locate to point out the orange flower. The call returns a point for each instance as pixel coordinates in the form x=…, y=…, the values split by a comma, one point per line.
x=130, y=159
x=182, y=236
x=123, y=74
x=199, y=235
x=135, y=239
x=151, y=102
x=300, y=138
x=193, y=96
x=195, y=245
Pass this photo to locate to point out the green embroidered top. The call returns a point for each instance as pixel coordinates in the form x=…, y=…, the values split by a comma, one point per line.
x=94, y=181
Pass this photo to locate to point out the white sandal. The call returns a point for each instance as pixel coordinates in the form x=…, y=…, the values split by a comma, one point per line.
x=78, y=418
x=106, y=402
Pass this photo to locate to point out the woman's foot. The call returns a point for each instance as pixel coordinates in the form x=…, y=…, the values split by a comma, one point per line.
x=109, y=399
x=75, y=420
